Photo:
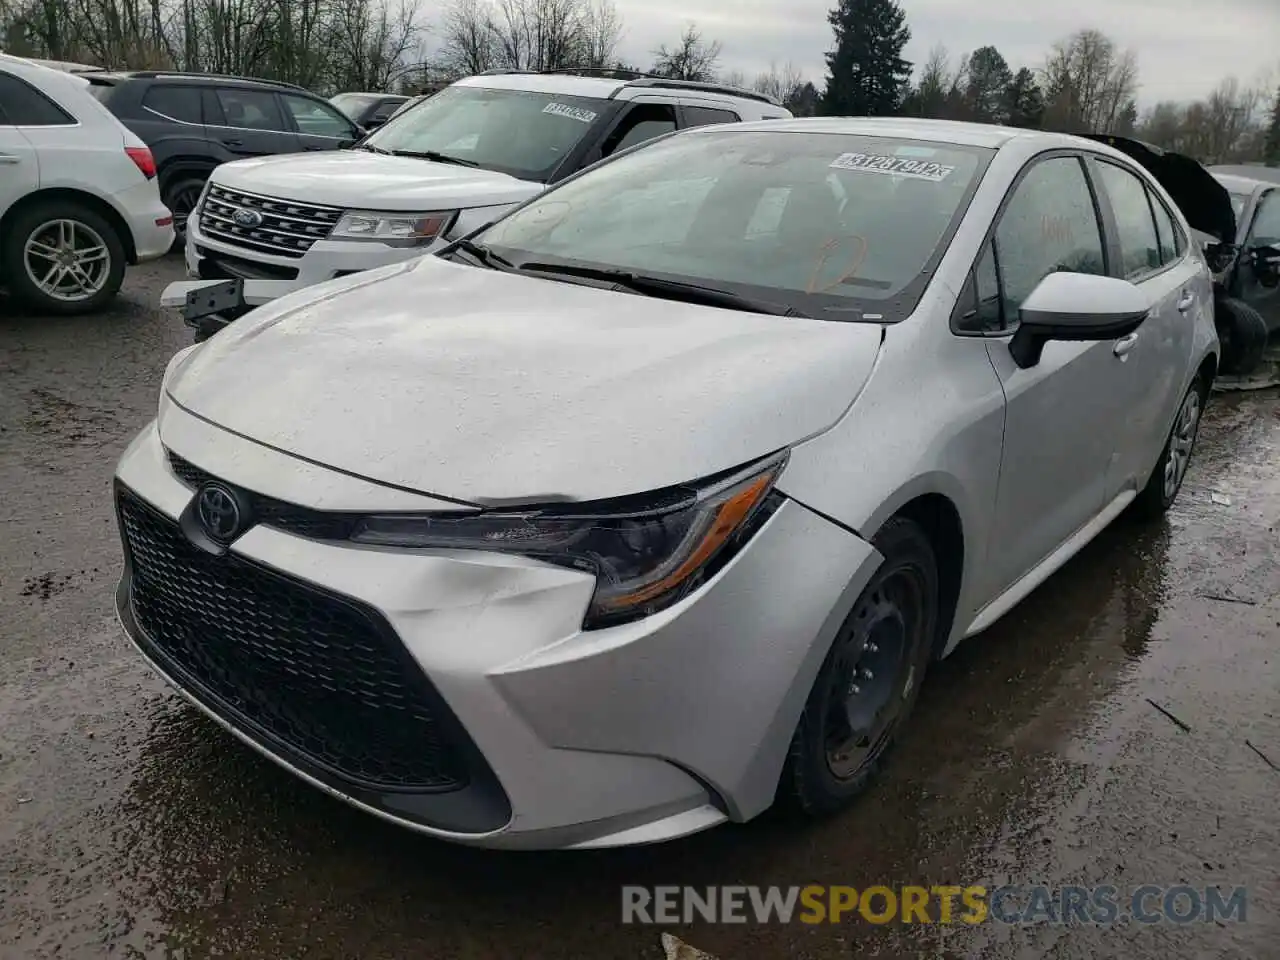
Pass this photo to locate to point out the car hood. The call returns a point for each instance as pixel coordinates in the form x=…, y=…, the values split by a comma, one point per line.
x=1202, y=199
x=360, y=179
x=488, y=387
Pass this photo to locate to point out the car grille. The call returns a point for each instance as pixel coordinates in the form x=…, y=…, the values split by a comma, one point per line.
x=279, y=514
x=288, y=228
x=316, y=674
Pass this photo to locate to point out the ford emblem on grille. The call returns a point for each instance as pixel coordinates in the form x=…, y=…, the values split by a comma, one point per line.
x=247, y=218
x=219, y=512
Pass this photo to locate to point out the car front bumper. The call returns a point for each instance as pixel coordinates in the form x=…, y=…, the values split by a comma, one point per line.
x=632, y=734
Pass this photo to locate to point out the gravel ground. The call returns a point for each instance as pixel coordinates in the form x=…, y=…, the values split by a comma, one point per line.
x=1041, y=752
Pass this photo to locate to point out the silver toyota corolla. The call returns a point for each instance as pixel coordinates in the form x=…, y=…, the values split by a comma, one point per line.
x=652, y=503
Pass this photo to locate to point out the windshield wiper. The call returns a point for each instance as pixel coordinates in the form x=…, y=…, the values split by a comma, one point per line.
x=434, y=155
x=370, y=148
x=669, y=289
x=484, y=254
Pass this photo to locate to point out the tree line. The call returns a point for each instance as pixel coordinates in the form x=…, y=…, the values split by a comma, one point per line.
x=1086, y=82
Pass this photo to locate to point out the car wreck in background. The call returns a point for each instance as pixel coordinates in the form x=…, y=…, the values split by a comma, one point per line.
x=1237, y=219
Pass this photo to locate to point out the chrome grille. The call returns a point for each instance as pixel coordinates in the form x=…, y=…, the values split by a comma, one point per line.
x=288, y=228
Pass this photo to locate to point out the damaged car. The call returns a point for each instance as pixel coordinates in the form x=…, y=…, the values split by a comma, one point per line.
x=650, y=505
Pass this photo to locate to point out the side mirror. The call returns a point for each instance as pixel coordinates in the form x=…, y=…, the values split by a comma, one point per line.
x=1076, y=306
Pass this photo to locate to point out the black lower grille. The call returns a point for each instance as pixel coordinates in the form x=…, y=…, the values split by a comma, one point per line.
x=312, y=673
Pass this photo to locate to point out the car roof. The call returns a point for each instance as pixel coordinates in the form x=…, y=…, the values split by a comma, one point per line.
x=176, y=76
x=42, y=73
x=610, y=87
x=909, y=128
x=563, y=83
x=372, y=93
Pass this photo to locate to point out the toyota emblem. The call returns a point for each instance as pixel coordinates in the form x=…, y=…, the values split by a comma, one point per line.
x=219, y=512
x=245, y=217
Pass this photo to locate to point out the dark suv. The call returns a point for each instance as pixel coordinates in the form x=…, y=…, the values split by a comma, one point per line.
x=193, y=122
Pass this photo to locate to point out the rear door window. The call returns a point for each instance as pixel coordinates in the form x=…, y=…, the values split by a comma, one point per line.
x=1135, y=224
x=250, y=109
x=1172, y=242
x=172, y=102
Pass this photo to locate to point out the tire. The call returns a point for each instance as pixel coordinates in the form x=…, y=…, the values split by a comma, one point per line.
x=889, y=633
x=181, y=191
x=1171, y=469
x=46, y=227
x=1242, y=332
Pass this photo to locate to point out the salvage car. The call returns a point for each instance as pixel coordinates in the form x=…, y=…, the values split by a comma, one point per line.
x=652, y=503
x=1255, y=276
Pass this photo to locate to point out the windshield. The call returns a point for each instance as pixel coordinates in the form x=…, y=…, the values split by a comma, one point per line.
x=524, y=134
x=838, y=227
x=1238, y=200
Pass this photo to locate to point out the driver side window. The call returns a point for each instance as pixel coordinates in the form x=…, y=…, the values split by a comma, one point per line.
x=1050, y=224
x=643, y=122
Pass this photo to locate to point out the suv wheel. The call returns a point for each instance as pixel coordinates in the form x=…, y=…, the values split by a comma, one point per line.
x=61, y=257
x=180, y=196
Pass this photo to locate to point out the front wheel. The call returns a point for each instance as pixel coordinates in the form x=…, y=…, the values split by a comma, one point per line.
x=870, y=679
x=1171, y=469
x=61, y=257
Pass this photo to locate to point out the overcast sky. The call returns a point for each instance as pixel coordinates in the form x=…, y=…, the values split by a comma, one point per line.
x=1184, y=46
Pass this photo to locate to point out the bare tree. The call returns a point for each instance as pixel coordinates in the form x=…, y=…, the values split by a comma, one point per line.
x=602, y=26
x=692, y=58
x=778, y=82
x=1088, y=82
x=468, y=45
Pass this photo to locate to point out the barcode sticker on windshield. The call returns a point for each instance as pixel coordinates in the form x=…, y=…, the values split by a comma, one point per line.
x=894, y=166
x=573, y=113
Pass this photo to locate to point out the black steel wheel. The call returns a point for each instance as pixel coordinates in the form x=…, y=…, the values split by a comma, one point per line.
x=869, y=681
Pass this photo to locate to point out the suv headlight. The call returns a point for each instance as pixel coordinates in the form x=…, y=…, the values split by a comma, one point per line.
x=646, y=552
x=394, y=229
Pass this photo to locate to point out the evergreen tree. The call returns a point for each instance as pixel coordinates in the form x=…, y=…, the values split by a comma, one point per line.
x=987, y=89
x=1025, y=101
x=866, y=74
x=1126, y=124
x=1271, y=146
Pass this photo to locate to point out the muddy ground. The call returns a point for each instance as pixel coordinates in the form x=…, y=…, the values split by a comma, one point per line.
x=132, y=827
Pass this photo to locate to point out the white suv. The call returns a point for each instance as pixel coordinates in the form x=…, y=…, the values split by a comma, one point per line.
x=78, y=195
x=439, y=170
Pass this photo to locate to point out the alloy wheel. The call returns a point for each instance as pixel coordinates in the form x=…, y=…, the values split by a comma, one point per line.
x=67, y=260
x=1181, y=443
x=181, y=205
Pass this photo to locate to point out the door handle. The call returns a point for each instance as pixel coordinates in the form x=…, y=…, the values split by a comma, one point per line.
x=1186, y=303
x=9, y=158
x=1124, y=345
x=234, y=143
x=313, y=148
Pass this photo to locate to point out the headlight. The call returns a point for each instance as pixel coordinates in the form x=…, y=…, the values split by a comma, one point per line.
x=395, y=229
x=646, y=553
